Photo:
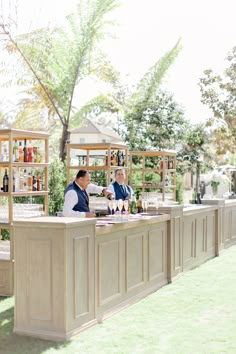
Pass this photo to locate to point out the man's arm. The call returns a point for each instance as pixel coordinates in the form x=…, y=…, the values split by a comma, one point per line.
x=93, y=188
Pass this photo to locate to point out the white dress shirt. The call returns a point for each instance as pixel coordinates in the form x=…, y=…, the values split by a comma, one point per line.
x=71, y=199
x=111, y=189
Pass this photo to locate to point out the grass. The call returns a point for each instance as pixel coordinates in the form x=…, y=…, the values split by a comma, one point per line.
x=194, y=315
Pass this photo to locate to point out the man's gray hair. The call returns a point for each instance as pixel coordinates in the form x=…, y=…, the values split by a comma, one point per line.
x=118, y=169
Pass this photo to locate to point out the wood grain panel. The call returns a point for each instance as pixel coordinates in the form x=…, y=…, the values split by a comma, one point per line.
x=39, y=254
x=81, y=275
x=109, y=272
x=135, y=261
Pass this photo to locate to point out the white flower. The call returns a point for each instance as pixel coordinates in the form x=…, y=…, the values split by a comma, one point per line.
x=216, y=178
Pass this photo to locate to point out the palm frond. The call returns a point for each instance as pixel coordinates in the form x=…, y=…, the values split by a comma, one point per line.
x=149, y=84
x=97, y=105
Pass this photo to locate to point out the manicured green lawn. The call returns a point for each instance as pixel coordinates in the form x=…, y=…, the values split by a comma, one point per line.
x=195, y=314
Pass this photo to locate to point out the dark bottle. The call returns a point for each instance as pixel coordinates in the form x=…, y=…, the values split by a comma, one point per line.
x=139, y=205
x=110, y=196
x=5, y=182
x=34, y=183
x=25, y=152
x=118, y=157
x=13, y=183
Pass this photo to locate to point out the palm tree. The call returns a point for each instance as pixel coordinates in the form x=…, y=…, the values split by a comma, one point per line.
x=57, y=61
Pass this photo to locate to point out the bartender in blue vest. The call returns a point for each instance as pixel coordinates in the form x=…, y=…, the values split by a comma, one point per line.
x=76, y=199
x=119, y=188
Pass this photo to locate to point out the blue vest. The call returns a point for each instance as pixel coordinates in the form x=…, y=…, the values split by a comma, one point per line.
x=120, y=193
x=83, y=202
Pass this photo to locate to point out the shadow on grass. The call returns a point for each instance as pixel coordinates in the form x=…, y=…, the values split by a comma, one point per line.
x=12, y=343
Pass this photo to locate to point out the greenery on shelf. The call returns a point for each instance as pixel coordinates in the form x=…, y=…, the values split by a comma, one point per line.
x=5, y=234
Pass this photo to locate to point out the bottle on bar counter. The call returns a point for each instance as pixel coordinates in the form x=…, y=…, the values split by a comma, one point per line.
x=132, y=206
x=139, y=204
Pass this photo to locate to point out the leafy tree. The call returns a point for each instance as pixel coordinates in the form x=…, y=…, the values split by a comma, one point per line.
x=57, y=184
x=194, y=155
x=160, y=123
x=152, y=119
x=219, y=94
x=57, y=60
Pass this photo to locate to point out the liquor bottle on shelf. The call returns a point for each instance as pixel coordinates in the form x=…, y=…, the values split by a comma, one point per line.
x=119, y=158
x=123, y=159
x=5, y=182
x=15, y=152
x=30, y=152
x=21, y=152
x=25, y=176
x=5, y=156
x=30, y=182
x=39, y=182
x=25, y=149
x=113, y=158
x=34, y=183
x=21, y=181
x=35, y=152
x=106, y=159
x=17, y=180
x=13, y=182
x=170, y=164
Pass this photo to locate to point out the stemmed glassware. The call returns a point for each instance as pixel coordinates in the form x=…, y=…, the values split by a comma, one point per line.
x=126, y=207
x=110, y=206
x=120, y=207
x=113, y=206
x=145, y=205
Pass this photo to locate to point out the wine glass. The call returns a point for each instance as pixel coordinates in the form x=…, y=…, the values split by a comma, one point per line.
x=126, y=207
x=144, y=205
x=110, y=206
x=120, y=207
x=113, y=206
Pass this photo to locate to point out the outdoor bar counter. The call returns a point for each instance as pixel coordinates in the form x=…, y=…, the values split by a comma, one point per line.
x=70, y=273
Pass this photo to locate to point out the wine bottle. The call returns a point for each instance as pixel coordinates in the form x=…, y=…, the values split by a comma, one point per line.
x=21, y=152
x=5, y=182
x=34, y=187
x=133, y=205
x=139, y=205
x=30, y=152
x=30, y=182
x=25, y=152
x=15, y=152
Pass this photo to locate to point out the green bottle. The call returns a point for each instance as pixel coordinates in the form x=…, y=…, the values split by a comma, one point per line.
x=133, y=208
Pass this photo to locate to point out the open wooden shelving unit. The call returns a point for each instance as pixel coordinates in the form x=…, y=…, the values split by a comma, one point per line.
x=164, y=170
x=7, y=138
x=95, y=157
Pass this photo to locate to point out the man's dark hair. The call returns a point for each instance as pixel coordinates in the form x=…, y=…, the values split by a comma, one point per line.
x=81, y=173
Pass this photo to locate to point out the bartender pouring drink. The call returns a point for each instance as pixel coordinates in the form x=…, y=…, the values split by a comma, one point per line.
x=76, y=199
x=119, y=188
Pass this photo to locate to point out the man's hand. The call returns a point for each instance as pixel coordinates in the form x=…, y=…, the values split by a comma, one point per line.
x=106, y=193
x=90, y=215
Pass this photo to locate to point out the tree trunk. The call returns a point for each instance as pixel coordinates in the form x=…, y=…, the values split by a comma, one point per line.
x=65, y=138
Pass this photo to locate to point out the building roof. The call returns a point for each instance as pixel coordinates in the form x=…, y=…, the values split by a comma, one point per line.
x=90, y=127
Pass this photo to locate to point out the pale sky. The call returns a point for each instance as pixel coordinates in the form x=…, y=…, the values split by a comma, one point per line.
x=147, y=29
